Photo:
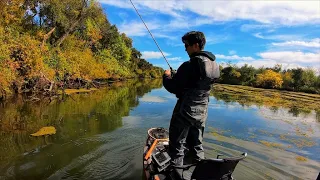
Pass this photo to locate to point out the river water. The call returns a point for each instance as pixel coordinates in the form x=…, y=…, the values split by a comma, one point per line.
x=100, y=135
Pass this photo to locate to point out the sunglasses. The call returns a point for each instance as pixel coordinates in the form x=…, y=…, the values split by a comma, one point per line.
x=186, y=45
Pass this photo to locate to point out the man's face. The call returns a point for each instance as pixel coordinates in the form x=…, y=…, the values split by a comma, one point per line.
x=192, y=48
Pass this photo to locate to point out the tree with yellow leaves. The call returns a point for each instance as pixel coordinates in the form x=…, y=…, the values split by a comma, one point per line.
x=269, y=79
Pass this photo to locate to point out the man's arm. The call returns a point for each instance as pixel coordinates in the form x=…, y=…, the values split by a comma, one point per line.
x=178, y=82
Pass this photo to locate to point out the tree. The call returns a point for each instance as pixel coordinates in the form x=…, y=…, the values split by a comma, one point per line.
x=230, y=75
x=247, y=75
x=269, y=79
x=277, y=68
x=287, y=80
x=309, y=78
x=297, y=78
x=309, y=81
x=11, y=12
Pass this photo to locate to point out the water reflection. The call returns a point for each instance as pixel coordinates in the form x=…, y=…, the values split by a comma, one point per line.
x=78, y=116
x=100, y=134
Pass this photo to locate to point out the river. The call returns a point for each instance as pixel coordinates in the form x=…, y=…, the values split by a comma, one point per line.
x=100, y=135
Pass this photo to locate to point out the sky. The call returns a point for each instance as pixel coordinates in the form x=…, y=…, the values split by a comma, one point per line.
x=258, y=33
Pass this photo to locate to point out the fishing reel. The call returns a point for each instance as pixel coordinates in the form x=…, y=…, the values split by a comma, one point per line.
x=173, y=72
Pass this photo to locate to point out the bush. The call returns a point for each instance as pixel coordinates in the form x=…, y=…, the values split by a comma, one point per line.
x=269, y=79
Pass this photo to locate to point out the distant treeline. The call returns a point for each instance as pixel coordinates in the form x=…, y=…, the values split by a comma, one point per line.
x=303, y=80
x=45, y=42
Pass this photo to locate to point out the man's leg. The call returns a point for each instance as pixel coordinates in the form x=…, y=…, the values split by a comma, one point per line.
x=178, y=132
x=194, y=141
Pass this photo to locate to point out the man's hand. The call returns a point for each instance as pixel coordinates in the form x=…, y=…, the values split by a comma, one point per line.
x=167, y=72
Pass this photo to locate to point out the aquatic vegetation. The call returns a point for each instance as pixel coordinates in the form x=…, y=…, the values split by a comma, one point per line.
x=218, y=133
x=300, y=143
x=296, y=102
x=266, y=132
x=271, y=144
x=301, y=158
x=300, y=133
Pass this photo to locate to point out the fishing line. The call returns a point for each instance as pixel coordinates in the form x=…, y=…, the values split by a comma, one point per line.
x=151, y=36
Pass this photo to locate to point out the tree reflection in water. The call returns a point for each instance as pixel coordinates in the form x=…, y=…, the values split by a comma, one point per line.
x=82, y=114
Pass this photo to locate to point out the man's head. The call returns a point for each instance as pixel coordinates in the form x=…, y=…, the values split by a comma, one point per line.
x=194, y=41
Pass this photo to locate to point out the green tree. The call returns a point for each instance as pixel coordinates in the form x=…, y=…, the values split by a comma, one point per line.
x=230, y=75
x=247, y=75
x=297, y=78
x=309, y=81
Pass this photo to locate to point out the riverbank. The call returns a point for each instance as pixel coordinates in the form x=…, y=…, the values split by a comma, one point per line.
x=51, y=90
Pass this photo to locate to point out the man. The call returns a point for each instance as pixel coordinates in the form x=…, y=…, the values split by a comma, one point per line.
x=191, y=85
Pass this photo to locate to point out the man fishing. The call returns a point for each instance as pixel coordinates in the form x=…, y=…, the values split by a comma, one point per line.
x=191, y=84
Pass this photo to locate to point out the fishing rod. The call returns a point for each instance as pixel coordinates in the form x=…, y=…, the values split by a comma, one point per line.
x=152, y=37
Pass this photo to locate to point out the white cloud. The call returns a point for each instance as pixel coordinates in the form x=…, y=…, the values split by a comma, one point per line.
x=315, y=43
x=161, y=35
x=117, y=3
x=288, y=60
x=234, y=57
x=155, y=99
x=250, y=27
x=232, y=52
x=175, y=59
x=177, y=23
x=153, y=54
x=291, y=57
x=258, y=35
x=269, y=63
x=123, y=15
x=266, y=12
x=278, y=37
x=137, y=28
x=170, y=7
x=265, y=16
x=163, y=29
x=215, y=38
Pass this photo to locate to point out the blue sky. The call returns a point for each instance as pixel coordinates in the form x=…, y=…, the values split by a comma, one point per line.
x=259, y=33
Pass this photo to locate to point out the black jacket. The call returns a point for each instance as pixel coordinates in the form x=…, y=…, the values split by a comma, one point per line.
x=191, y=89
x=187, y=76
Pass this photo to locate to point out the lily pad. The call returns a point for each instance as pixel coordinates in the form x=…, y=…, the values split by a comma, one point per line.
x=45, y=131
